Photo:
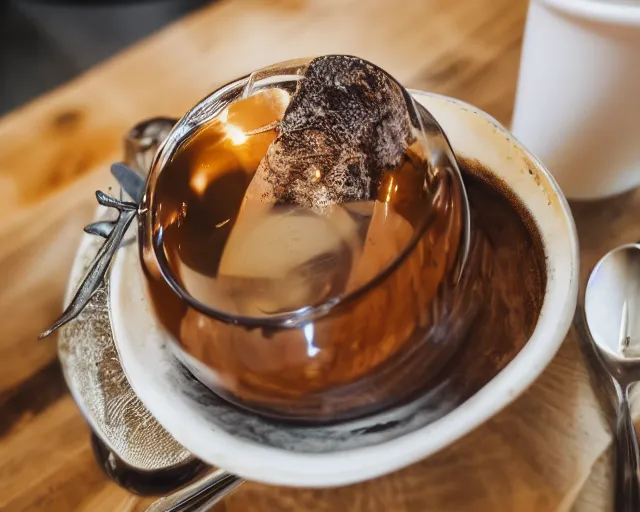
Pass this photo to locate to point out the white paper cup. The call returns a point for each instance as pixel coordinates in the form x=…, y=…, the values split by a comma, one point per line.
x=578, y=101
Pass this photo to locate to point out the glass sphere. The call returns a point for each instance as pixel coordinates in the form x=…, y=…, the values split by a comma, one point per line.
x=302, y=248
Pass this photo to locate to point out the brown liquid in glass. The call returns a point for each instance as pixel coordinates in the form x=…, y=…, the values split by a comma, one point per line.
x=198, y=203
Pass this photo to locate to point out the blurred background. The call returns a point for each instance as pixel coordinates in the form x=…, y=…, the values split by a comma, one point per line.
x=44, y=43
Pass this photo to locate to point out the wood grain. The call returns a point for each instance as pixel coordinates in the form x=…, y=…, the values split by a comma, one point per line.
x=55, y=152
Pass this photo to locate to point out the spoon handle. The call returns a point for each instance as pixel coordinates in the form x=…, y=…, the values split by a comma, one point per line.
x=199, y=495
x=627, y=487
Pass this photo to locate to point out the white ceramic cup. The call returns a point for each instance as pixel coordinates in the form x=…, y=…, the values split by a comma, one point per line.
x=578, y=100
x=323, y=456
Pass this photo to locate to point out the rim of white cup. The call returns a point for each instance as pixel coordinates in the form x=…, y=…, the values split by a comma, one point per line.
x=280, y=467
x=599, y=11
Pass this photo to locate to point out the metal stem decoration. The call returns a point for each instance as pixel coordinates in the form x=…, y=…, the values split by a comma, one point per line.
x=113, y=232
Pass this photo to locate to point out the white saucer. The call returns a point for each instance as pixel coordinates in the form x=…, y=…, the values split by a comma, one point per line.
x=264, y=451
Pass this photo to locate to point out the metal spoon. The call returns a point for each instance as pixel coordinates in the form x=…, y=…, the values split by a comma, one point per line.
x=612, y=300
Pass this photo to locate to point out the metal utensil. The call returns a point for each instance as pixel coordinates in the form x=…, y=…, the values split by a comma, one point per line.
x=200, y=495
x=612, y=319
x=141, y=144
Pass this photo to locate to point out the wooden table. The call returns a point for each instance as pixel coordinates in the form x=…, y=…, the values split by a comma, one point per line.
x=55, y=152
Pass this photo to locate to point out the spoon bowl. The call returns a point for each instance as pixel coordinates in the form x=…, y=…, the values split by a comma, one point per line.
x=611, y=302
x=612, y=298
